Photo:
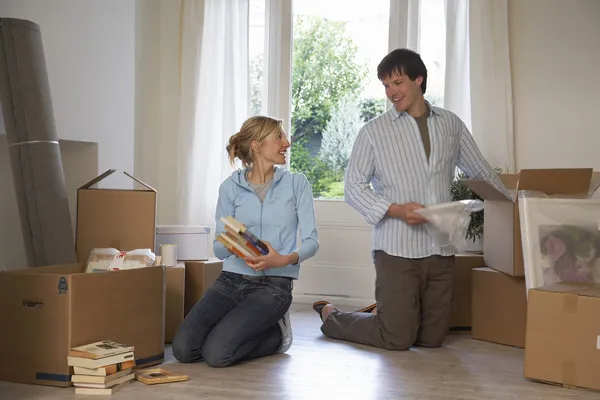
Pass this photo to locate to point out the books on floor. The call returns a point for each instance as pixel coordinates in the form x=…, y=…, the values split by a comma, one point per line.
x=101, y=367
x=239, y=240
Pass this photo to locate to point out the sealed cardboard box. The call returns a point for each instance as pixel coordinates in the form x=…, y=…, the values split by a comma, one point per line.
x=563, y=335
x=499, y=307
x=199, y=276
x=115, y=218
x=175, y=300
x=460, y=319
x=48, y=310
x=501, y=230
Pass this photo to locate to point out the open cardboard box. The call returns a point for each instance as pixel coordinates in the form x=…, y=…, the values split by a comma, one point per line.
x=124, y=219
x=502, y=249
x=46, y=311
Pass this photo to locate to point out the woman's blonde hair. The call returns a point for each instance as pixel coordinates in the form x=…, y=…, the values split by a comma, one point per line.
x=253, y=129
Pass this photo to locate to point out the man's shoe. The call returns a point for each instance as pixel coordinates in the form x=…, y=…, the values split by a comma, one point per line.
x=318, y=307
x=286, y=333
x=368, y=309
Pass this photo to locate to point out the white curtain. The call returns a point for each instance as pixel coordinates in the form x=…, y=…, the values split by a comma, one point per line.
x=278, y=60
x=214, y=101
x=404, y=30
x=478, y=79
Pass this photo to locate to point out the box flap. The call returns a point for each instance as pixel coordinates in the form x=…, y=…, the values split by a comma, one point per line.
x=484, y=189
x=139, y=181
x=571, y=181
x=588, y=289
x=97, y=179
x=510, y=181
x=595, y=183
x=110, y=172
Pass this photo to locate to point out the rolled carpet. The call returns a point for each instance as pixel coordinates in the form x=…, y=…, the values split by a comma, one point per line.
x=33, y=145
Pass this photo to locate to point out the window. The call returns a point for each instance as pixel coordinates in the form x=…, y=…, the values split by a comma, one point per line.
x=336, y=47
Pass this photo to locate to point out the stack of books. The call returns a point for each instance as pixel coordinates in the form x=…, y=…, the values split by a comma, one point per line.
x=101, y=367
x=239, y=240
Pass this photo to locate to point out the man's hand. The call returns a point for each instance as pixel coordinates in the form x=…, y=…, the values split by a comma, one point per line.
x=406, y=212
x=272, y=260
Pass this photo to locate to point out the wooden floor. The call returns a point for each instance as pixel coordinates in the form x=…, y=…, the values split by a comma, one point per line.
x=319, y=368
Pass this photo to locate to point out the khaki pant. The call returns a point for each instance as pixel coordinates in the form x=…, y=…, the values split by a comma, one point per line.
x=414, y=300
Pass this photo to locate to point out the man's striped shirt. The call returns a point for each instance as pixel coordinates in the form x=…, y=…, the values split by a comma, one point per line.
x=388, y=152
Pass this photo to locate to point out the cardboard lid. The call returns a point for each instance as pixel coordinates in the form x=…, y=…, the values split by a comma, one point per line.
x=595, y=183
x=510, y=181
x=556, y=181
x=588, y=289
x=566, y=181
x=484, y=189
x=110, y=172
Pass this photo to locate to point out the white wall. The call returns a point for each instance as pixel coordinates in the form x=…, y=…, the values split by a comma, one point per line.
x=157, y=99
x=90, y=55
x=555, y=59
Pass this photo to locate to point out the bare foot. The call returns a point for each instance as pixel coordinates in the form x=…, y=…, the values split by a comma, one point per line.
x=328, y=309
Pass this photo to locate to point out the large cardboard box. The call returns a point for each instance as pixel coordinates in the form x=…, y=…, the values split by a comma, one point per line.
x=501, y=230
x=175, y=300
x=199, y=276
x=563, y=335
x=48, y=310
x=499, y=307
x=115, y=218
x=460, y=319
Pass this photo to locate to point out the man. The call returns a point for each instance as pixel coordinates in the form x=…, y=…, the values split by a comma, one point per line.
x=409, y=154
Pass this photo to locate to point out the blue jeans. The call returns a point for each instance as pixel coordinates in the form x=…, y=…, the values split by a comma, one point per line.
x=235, y=320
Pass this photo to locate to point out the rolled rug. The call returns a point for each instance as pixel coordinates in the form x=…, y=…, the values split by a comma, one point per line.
x=33, y=145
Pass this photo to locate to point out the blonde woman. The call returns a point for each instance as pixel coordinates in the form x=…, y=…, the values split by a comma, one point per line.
x=244, y=315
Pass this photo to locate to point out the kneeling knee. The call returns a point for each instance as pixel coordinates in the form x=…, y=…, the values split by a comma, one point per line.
x=431, y=343
x=399, y=345
x=217, y=357
x=182, y=352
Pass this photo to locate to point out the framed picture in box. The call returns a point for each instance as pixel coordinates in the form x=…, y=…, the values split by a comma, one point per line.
x=561, y=239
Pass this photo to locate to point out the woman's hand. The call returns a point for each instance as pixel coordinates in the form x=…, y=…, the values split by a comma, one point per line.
x=272, y=260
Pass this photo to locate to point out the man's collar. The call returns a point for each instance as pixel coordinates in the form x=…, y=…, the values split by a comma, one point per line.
x=432, y=110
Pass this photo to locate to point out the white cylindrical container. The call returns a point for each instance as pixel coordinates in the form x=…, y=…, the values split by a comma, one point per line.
x=168, y=253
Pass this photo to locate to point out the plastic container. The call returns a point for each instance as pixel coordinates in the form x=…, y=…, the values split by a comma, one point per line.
x=192, y=241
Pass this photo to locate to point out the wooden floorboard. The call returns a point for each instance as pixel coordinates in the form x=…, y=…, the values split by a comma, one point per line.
x=319, y=368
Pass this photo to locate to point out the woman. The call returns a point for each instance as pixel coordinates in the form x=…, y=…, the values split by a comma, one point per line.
x=244, y=315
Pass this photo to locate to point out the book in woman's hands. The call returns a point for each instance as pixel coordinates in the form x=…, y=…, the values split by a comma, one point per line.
x=245, y=243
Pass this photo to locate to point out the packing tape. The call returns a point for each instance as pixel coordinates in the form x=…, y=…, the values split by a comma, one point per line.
x=570, y=301
x=569, y=374
x=33, y=142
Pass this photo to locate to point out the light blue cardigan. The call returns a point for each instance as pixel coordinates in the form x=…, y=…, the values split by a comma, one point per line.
x=287, y=206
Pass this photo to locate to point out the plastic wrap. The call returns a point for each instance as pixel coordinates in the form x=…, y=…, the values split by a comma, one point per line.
x=109, y=259
x=560, y=237
x=448, y=223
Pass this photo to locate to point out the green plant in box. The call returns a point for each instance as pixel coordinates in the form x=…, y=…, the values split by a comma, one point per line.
x=462, y=192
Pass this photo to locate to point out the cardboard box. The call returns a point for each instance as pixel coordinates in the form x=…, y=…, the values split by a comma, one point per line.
x=501, y=230
x=115, y=218
x=499, y=307
x=175, y=300
x=199, y=276
x=48, y=310
x=461, y=295
x=563, y=335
